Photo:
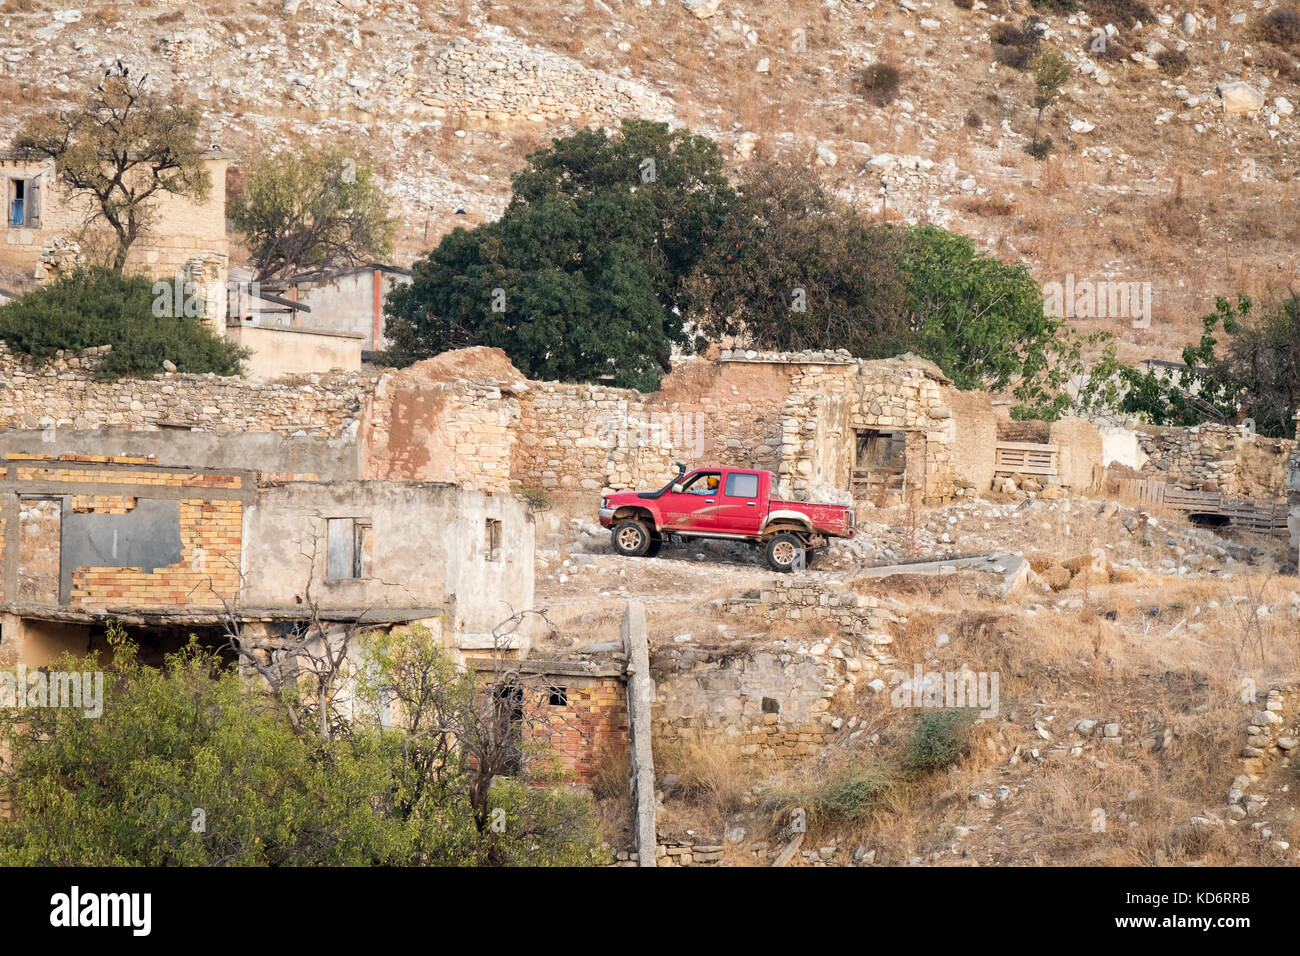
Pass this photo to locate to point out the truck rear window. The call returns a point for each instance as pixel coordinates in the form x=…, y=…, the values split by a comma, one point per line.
x=742, y=486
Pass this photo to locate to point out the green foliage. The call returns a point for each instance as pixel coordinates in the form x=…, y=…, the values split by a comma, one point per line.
x=982, y=322
x=579, y=279
x=98, y=306
x=939, y=738
x=122, y=788
x=853, y=795
x=1256, y=375
x=795, y=269
x=1051, y=73
x=315, y=209
x=121, y=148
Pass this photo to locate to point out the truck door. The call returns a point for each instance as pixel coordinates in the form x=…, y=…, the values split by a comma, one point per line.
x=695, y=507
x=742, y=502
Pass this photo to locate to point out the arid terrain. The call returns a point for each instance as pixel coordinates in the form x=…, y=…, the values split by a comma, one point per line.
x=1151, y=180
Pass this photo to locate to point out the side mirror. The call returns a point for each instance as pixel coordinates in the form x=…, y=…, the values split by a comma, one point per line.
x=677, y=487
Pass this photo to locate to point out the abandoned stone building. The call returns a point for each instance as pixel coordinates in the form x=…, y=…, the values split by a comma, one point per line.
x=167, y=537
x=42, y=218
x=169, y=501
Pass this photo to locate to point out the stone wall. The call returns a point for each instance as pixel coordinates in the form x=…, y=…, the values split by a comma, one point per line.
x=773, y=700
x=1223, y=458
x=501, y=79
x=1293, y=494
x=65, y=394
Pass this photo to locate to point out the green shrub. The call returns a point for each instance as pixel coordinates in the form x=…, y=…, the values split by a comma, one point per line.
x=939, y=738
x=853, y=795
x=98, y=306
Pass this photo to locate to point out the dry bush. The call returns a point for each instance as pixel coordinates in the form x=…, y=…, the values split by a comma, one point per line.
x=1277, y=62
x=1280, y=26
x=1173, y=62
x=1122, y=13
x=711, y=774
x=878, y=83
x=989, y=207
x=1014, y=46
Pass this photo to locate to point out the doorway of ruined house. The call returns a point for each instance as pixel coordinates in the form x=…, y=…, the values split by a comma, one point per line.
x=510, y=711
x=40, y=529
x=879, y=464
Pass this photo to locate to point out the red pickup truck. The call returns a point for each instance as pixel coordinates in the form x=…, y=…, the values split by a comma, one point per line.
x=731, y=503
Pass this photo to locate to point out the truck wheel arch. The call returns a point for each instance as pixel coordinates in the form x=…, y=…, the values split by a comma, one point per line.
x=779, y=521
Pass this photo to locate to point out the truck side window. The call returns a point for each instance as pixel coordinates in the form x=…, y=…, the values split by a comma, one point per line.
x=742, y=486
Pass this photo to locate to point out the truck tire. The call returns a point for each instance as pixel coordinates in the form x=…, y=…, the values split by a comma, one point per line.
x=785, y=551
x=656, y=545
x=630, y=538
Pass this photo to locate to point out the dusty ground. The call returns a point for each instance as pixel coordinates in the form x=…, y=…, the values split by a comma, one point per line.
x=1160, y=648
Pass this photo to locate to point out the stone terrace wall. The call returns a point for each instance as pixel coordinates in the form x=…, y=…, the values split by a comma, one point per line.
x=65, y=394
x=502, y=79
x=1222, y=458
x=773, y=700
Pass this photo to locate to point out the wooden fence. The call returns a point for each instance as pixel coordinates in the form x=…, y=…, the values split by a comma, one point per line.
x=1262, y=515
x=1026, y=458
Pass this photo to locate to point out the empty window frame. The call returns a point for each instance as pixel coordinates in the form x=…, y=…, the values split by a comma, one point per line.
x=492, y=539
x=348, y=548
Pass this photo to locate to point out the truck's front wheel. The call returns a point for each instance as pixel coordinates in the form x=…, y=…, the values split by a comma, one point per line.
x=785, y=552
x=630, y=538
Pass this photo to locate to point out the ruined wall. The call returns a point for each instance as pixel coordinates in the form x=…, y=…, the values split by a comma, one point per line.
x=65, y=394
x=973, y=433
x=426, y=546
x=120, y=533
x=1293, y=494
x=180, y=229
x=588, y=728
x=773, y=700
x=1079, y=456
x=594, y=437
x=453, y=418
x=1223, y=458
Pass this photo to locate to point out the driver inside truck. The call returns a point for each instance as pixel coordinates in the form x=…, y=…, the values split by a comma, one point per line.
x=706, y=487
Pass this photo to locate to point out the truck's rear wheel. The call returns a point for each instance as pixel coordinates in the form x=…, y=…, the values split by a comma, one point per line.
x=785, y=552
x=631, y=538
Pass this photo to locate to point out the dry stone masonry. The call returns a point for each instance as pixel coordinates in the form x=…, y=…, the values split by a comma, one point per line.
x=501, y=79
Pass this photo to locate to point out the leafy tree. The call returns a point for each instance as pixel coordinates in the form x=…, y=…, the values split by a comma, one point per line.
x=121, y=147
x=793, y=268
x=316, y=209
x=1256, y=376
x=581, y=278
x=982, y=321
x=1051, y=73
x=122, y=788
x=98, y=306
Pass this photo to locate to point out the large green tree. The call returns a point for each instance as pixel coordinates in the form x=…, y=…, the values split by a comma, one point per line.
x=793, y=268
x=581, y=278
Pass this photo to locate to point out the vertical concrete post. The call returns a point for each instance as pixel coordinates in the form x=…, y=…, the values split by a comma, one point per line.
x=637, y=647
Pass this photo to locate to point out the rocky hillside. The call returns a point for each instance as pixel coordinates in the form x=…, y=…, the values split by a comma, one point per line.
x=1173, y=142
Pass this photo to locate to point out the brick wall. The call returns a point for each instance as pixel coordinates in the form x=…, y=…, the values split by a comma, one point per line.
x=209, y=506
x=591, y=725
